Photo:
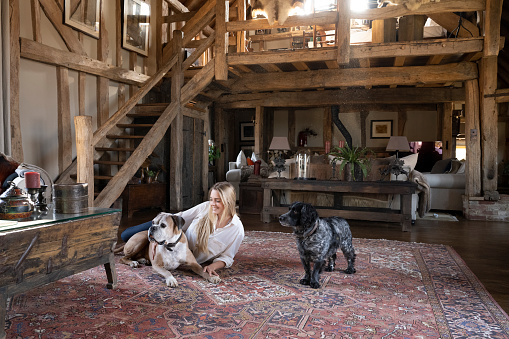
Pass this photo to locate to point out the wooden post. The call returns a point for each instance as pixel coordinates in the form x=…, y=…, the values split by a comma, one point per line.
x=488, y=123
x=384, y=30
x=472, y=140
x=241, y=35
x=85, y=154
x=158, y=22
x=64, y=120
x=16, y=140
x=411, y=27
x=177, y=126
x=488, y=86
x=220, y=64
x=36, y=20
x=259, y=129
x=205, y=162
x=343, y=32
x=447, y=144
x=103, y=95
x=492, y=27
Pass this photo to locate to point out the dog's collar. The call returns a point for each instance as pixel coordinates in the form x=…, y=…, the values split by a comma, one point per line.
x=169, y=246
x=308, y=233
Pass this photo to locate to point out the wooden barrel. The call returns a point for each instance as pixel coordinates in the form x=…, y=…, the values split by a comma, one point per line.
x=70, y=198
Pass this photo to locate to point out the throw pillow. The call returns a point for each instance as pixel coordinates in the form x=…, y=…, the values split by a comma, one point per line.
x=441, y=166
x=241, y=160
x=461, y=170
x=410, y=161
x=249, y=161
x=455, y=166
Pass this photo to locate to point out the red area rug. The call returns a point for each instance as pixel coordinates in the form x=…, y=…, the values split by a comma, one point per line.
x=400, y=290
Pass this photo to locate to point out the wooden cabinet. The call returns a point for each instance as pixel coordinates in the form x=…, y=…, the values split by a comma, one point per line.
x=139, y=196
x=250, y=197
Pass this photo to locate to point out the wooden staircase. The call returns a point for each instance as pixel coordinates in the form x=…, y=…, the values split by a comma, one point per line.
x=128, y=151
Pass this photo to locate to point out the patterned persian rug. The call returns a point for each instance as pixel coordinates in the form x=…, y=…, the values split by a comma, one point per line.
x=400, y=290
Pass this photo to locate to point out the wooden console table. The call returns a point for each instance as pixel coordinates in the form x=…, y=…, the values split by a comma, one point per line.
x=404, y=188
x=34, y=253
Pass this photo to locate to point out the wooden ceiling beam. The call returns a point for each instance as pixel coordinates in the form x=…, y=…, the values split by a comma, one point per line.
x=380, y=76
x=425, y=9
x=344, y=96
x=381, y=50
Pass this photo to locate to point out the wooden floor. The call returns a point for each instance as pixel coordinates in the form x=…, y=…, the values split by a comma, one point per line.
x=484, y=246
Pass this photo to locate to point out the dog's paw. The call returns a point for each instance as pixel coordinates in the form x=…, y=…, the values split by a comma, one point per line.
x=134, y=264
x=144, y=261
x=314, y=284
x=304, y=281
x=214, y=279
x=350, y=270
x=171, y=282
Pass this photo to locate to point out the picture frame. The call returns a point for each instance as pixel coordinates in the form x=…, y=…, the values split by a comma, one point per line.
x=83, y=15
x=381, y=129
x=136, y=26
x=247, y=131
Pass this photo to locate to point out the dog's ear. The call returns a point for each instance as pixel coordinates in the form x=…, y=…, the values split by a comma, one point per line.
x=178, y=220
x=308, y=214
x=294, y=205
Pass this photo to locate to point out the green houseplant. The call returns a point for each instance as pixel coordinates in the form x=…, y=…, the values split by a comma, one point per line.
x=355, y=161
x=214, y=153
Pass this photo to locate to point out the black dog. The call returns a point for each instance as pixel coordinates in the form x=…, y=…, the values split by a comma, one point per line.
x=318, y=240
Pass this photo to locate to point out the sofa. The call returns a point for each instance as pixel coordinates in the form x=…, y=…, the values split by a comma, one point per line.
x=447, y=185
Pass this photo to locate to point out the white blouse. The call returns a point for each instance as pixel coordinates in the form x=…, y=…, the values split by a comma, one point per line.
x=224, y=242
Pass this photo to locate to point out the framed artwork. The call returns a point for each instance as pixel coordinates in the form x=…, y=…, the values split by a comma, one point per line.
x=381, y=129
x=136, y=26
x=247, y=131
x=84, y=15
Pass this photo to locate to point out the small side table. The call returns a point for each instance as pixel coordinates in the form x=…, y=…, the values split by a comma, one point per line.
x=139, y=196
x=251, y=196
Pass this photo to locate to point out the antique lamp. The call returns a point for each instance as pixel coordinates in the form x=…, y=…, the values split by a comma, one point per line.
x=397, y=143
x=279, y=144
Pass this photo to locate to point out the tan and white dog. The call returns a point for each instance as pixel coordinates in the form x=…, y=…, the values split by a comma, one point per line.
x=165, y=247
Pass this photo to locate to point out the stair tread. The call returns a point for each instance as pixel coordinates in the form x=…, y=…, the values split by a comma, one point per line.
x=103, y=177
x=109, y=162
x=115, y=149
x=134, y=125
x=124, y=136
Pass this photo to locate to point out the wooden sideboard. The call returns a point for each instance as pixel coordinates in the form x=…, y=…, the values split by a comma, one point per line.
x=403, y=188
x=54, y=246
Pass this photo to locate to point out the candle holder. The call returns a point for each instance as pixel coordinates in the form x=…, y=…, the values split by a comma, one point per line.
x=41, y=205
x=32, y=192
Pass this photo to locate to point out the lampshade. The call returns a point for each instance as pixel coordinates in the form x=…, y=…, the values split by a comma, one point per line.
x=279, y=144
x=398, y=143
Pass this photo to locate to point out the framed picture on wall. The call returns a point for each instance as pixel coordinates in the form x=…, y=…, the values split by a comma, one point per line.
x=84, y=15
x=381, y=129
x=136, y=26
x=247, y=131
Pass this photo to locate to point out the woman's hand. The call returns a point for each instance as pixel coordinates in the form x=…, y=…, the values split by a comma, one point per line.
x=211, y=269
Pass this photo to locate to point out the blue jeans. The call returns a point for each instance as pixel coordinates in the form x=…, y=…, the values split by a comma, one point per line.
x=129, y=232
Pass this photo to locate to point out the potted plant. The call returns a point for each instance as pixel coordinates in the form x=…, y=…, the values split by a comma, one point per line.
x=214, y=153
x=355, y=161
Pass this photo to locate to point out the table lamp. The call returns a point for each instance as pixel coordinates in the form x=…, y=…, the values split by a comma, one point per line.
x=279, y=144
x=397, y=143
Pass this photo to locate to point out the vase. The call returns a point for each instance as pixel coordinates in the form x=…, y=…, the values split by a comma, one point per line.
x=348, y=172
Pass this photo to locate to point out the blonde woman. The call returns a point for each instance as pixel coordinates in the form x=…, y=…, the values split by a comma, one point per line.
x=213, y=229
